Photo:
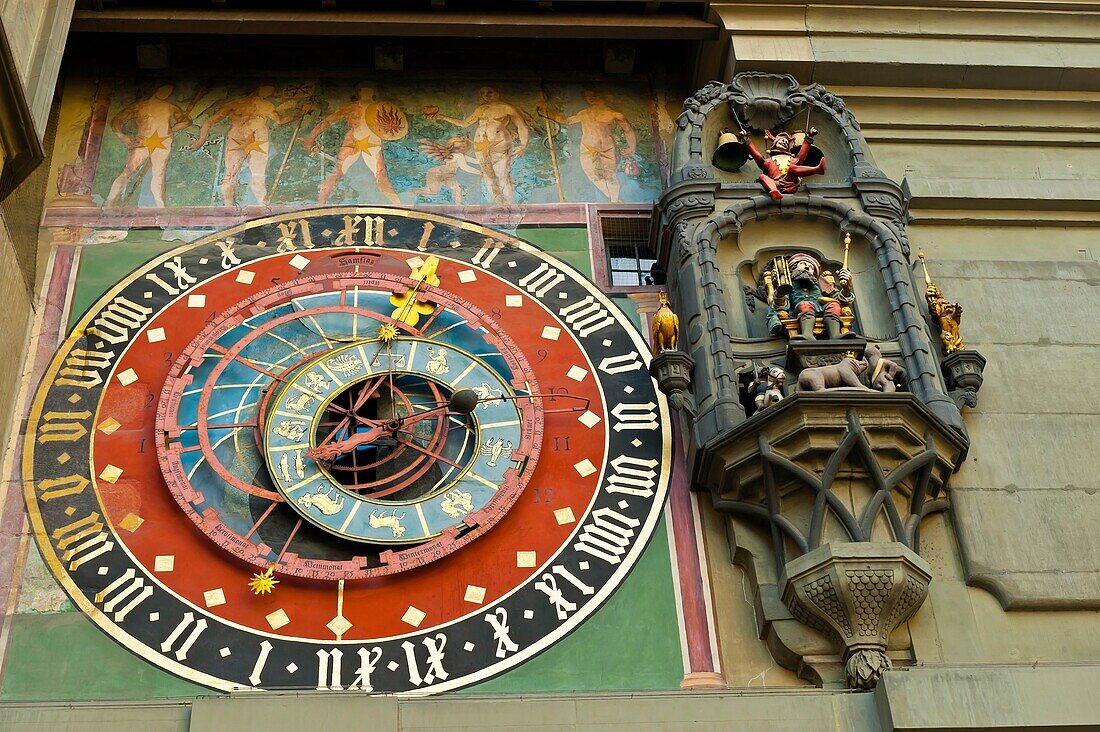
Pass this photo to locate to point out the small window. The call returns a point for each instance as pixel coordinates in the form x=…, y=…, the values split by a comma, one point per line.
x=626, y=245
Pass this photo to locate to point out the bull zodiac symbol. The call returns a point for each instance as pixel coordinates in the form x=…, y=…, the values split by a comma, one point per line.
x=316, y=382
x=392, y=522
x=487, y=396
x=345, y=365
x=437, y=364
x=322, y=501
x=293, y=431
x=300, y=402
x=494, y=447
x=457, y=503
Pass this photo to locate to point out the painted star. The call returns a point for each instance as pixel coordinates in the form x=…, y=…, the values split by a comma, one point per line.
x=264, y=582
x=251, y=144
x=154, y=142
x=364, y=145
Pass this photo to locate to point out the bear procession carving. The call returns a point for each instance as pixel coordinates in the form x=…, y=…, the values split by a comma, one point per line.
x=818, y=390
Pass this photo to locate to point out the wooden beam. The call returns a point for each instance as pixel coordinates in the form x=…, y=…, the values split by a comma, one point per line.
x=617, y=26
x=20, y=149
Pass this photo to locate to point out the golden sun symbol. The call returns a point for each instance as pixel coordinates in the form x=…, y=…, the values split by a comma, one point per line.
x=264, y=582
x=387, y=332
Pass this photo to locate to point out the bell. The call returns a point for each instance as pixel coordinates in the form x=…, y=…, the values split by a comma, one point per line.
x=814, y=156
x=731, y=153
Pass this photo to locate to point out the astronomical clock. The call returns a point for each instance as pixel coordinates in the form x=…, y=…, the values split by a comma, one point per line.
x=358, y=448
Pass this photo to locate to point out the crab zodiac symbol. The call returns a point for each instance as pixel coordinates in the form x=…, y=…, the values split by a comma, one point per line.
x=494, y=447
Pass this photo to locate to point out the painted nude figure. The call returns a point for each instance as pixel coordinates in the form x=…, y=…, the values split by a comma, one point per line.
x=451, y=157
x=153, y=122
x=783, y=170
x=599, y=149
x=501, y=136
x=368, y=122
x=248, y=139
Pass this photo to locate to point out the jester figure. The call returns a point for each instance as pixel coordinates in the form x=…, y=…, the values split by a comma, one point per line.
x=814, y=294
x=783, y=170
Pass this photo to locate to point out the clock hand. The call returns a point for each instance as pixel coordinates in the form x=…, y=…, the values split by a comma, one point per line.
x=332, y=449
x=461, y=402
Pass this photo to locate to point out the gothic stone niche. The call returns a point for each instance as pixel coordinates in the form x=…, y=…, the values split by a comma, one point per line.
x=828, y=483
x=826, y=471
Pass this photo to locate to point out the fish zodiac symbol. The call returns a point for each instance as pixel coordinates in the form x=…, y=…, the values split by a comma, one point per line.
x=494, y=447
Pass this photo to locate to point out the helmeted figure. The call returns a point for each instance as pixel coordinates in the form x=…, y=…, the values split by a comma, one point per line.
x=783, y=170
x=813, y=294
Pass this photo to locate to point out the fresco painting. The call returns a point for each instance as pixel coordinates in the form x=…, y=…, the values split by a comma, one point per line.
x=232, y=143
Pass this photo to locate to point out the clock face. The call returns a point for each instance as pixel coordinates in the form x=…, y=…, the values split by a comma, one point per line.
x=357, y=448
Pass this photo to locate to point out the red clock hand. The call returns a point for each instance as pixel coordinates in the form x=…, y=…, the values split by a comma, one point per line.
x=332, y=449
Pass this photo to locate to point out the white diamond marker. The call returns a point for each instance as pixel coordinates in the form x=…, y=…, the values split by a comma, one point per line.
x=585, y=468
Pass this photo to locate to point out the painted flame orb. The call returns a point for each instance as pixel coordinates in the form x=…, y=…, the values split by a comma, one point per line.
x=432, y=508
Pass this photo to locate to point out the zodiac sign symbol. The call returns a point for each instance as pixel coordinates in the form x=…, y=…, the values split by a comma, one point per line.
x=293, y=431
x=397, y=360
x=345, y=365
x=316, y=382
x=284, y=467
x=299, y=465
x=457, y=504
x=392, y=522
x=300, y=402
x=494, y=447
x=322, y=501
x=487, y=396
x=437, y=364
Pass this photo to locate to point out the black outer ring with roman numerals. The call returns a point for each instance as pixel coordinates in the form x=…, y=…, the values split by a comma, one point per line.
x=186, y=639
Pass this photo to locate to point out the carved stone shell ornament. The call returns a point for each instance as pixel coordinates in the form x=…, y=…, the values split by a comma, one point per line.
x=761, y=100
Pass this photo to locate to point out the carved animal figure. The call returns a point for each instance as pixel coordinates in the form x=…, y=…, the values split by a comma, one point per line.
x=323, y=502
x=882, y=374
x=666, y=326
x=845, y=373
x=391, y=522
x=457, y=503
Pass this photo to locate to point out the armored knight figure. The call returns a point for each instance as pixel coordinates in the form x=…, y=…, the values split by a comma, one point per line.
x=798, y=290
x=783, y=170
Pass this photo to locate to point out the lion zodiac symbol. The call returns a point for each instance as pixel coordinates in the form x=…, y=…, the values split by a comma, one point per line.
x=487, y=396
